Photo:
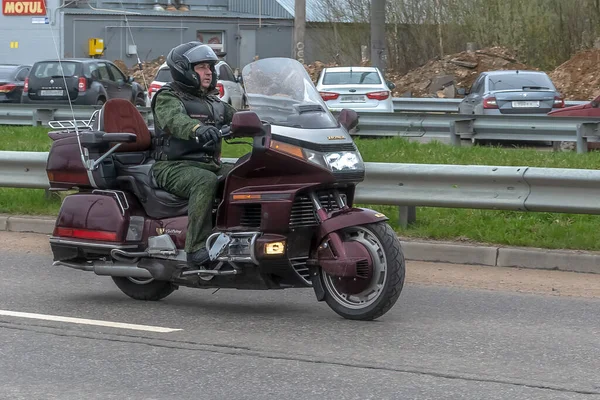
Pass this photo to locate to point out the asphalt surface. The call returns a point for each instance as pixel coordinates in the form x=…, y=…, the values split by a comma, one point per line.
x=436, y=343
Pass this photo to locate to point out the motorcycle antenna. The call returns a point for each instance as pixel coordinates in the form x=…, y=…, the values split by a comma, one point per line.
x=137, y=55
x=77, y=134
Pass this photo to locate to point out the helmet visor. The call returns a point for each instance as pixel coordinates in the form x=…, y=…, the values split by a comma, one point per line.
x=199, y=54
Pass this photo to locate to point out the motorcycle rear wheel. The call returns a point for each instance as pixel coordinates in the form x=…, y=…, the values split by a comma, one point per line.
x=386, y=282
x=144, y=289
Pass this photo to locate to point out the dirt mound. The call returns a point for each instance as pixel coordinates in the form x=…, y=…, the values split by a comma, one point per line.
x=463, y=67
x=579, y=77
x=314, y=69
x=148, y=71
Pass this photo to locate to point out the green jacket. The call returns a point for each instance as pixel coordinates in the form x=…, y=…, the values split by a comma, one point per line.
x=170, y=112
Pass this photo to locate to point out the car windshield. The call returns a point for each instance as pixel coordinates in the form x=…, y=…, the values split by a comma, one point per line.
x=281, y=92
x=6, y=72
x=163, y=75
x=351, y=78
x=53, y=69
x=520, y=82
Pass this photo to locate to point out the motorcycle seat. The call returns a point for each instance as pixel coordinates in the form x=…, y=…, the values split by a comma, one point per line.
x=157, y=203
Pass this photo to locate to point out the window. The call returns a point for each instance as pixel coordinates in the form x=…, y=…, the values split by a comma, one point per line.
x=520, y=82
x=22, y=74
x=213, y=39
x=351, y=78
x=225, y=73
x=103, y=72
x=117, y=74
x=164, y=75
x=53, y=69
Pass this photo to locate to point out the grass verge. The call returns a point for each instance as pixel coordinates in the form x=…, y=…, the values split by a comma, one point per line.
x=547, y=230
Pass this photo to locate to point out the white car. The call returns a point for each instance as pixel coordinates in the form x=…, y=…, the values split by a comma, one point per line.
x=356, y=88
x=230, y=89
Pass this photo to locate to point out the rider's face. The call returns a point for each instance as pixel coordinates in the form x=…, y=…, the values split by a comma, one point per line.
x=205, y=74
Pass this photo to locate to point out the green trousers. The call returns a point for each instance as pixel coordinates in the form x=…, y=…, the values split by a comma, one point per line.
x=196, y=182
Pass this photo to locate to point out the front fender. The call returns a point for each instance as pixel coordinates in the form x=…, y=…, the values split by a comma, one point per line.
x=346, y=218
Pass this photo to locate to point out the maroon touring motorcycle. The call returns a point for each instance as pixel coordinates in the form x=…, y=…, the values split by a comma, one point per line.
x=283, y=216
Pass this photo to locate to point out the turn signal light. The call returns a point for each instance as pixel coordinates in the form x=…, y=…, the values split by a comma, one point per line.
x=246, y=197
x=378, y=95
x=490, y=102
x=329, y=95
x=7, y=88
x=559, y=102
x=287, y=149
x=275, y=248
x=82, y=84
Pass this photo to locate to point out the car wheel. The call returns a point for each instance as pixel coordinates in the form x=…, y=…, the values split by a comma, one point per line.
x=140, y=101
x=100, y=101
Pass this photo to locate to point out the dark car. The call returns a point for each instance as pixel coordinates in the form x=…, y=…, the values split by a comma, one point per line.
x=12, y=80
x=88, y=82
x=511, y=92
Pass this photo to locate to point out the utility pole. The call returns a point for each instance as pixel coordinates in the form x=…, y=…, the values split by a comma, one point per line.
x=378, y=48
x=299, y=29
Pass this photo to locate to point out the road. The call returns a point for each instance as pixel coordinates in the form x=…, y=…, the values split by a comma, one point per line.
x=457, y=332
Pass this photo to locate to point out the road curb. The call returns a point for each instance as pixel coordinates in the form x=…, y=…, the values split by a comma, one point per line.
x=18, y=223
x=417, y=250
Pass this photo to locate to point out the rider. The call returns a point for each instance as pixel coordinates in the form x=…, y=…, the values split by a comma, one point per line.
x=187, y=144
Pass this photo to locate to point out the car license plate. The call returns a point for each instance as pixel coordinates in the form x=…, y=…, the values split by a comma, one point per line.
x=356, y=98
x=525, y=104
x=51, y=92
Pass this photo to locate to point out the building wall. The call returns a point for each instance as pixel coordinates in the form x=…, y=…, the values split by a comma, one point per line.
x=156, y=35
x=33, y=40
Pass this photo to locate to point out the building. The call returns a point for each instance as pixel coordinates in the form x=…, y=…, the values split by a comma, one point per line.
x=31, y=30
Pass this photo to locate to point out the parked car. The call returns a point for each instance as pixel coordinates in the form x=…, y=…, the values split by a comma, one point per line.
x=356, y=88
x=12, y=81
x=88, y=82
x=511, y=92
x=230, y=88
x=591, y=109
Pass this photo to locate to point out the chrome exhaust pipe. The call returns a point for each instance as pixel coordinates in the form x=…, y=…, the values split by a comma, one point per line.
x=108, y=269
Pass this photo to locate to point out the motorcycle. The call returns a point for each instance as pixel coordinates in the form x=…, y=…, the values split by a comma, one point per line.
x=283, y=216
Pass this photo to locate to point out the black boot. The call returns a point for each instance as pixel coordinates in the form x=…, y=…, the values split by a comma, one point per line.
x=198, y=257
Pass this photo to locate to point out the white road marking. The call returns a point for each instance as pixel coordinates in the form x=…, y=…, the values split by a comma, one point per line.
x=83, y=321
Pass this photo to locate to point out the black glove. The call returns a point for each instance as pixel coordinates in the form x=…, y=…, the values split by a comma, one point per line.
x=208, y=136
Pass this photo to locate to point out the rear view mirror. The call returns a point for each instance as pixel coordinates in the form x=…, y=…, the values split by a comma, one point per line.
x=348, y=119
x=130, y=79
x=391, y=85
x=246, y=124
x=462, y=91
x=596, y=102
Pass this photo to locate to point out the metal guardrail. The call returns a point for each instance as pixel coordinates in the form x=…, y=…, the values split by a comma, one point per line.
x=435, y=105
x=41, y=114
x=432, y=185
x=446, y=127
x=453, y=127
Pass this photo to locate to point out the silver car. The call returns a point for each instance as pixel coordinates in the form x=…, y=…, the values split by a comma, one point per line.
x=230, y=88
x=356, y=88
x=511, y=92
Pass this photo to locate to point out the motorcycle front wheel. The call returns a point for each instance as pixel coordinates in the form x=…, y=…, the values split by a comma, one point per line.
x=371, y=298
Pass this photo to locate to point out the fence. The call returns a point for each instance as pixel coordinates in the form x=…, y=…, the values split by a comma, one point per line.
x=409, y=185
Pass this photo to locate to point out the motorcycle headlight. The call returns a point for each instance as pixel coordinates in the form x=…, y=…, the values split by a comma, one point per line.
x=344, y=161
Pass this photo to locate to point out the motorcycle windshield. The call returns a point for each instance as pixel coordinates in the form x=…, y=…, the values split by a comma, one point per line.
x=281, y=92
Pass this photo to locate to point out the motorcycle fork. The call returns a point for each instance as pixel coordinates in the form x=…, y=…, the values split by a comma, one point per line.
x=334, y=239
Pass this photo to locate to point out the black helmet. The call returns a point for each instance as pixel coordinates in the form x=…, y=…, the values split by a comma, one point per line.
x=182, y=59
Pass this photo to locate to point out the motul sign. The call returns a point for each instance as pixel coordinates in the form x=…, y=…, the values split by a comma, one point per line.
x=23, y=7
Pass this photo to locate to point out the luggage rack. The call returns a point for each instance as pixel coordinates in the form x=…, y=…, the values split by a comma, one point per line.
x=72, y=125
